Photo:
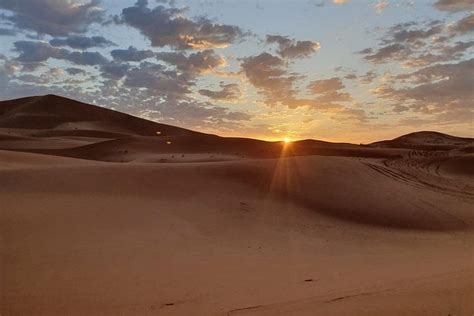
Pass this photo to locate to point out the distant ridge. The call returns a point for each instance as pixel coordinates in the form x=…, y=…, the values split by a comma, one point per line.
x=56, y=116
x=426, y=140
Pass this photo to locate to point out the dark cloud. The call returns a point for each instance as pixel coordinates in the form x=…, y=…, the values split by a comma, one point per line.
x=437, y=89
x=443, y=53
x=228, y=92
x=465, y=25
x=194, y=114
x=269, y=75
x=131, y=54
x=86, y=58
x=415, y=45
x=326, y=85
x=389, y=52
x=289, y=48
x=7, y=32
x=195, y=63
x=454, y=5
x=158, y=81
x=169, y=27
x=31, y=51
x=412, y=36
x=114, y=70
x=81, y=42
x=368, y=77
x=75, y=71
x=328, y=91
x=53, y=17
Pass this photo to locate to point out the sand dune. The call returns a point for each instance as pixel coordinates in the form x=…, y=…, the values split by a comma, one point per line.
x=120, y=220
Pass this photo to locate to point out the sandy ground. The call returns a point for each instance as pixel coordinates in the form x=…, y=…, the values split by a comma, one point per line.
x=226, y=233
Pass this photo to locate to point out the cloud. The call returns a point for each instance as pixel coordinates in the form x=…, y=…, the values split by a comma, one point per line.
x=169, y=27
x=268, y=74
x=195, y=63
x=465, y=25
x=75, y=71
x=454, y=5
x=86, y=58
x=413, y=45
x=228, y=92
x=368, y=77
x=131, y=54
x=289, y=48
x=7, y=32
x=328, y=92
x=81, y=42
x=53, y=17
x=158, y=81
x=437, y=89
x=325, y=85
x=114, y=70
x=390, y=52
x=404, y=35
x=38, y=51
x=34, y=52
x=381, y=5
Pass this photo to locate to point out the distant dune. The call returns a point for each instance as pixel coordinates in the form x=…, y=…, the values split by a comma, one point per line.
x=103, y=213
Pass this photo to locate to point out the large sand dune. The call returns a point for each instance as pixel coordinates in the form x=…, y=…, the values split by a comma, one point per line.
x=107, y=214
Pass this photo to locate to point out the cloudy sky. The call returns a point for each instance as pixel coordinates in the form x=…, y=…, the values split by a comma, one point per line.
x=338, y=70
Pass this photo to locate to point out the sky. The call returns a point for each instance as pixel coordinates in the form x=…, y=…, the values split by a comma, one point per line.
x=336, y=70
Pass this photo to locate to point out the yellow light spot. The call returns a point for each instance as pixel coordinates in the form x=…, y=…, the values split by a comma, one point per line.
x=168, y=142
x=287, y=140
x=158, y=133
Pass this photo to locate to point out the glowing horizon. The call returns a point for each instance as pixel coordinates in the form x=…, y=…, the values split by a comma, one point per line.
x=348, y=71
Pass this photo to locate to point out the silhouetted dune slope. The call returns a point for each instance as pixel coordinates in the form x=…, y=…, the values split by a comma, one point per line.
x=48, y=117
x=426, y=140
x=50, y=111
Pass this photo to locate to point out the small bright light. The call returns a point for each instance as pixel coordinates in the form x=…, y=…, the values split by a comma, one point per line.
x=287, y=140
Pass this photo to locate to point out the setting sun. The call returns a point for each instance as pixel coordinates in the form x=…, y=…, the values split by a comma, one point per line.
x=287, y=140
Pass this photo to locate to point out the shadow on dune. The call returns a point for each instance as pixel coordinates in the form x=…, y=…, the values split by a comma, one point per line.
x=345, y=192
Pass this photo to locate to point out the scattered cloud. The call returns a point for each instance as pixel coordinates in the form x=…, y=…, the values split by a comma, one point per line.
x=289, y=48
x=228, y=92
x=114, y=70
x=454, y=5
x=169, y=27
x=269, y=75
x=131, y=54
x=53, y=17
x=325, y=85
x=81, y=42
x=416, y=45
x=465, y=25
x=7, y=32
x=75, y=71
x=439, y=89
x=36, y=51
x=31, y=51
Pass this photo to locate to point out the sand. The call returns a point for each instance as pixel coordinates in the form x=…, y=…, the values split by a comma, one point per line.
x=130, y=225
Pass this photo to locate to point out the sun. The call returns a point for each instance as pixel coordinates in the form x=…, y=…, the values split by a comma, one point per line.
x=287, y=140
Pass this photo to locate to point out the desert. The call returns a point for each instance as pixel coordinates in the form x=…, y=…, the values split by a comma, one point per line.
x=103, y=213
